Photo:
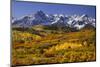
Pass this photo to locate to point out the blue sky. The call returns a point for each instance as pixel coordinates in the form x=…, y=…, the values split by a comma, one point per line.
x=23, y=8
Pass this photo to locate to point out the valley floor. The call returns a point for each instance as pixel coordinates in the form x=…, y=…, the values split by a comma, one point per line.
x=47, y=47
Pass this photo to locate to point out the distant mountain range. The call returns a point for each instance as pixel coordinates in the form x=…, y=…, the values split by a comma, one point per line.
x=59, y=20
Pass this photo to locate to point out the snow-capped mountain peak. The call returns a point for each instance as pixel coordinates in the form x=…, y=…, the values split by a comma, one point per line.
x=77, y=21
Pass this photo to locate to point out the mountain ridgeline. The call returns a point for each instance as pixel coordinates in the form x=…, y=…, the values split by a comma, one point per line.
x=54, y=21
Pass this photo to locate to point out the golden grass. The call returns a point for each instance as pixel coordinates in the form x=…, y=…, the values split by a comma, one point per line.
x=64, y=47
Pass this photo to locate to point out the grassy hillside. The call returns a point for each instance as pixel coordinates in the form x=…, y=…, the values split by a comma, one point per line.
x=42, y=45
